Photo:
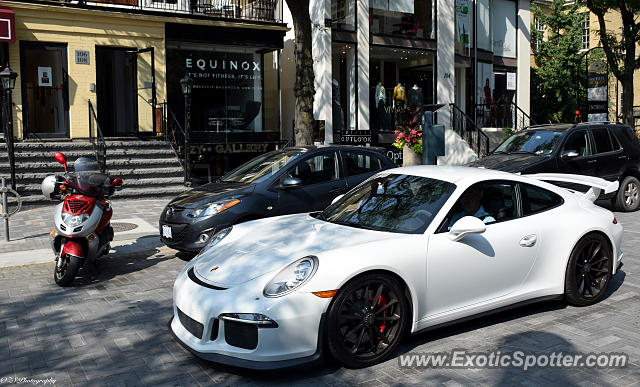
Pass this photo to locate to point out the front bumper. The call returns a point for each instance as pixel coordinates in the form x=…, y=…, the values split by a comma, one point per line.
x=185, y=237
x=297, y=339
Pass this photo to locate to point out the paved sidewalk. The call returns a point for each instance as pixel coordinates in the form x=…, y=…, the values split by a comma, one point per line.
x=29, y=229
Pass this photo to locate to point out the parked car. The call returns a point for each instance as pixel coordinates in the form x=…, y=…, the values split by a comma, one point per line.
x=607, y=150
x=409, y=249
x=286, y=181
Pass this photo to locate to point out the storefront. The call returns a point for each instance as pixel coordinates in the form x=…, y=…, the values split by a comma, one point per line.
x=235, y=103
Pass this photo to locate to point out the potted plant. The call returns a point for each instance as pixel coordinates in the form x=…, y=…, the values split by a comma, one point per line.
x=409, y=138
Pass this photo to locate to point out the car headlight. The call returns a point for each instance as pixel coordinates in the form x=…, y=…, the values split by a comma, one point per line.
x=212, y=208
x=74, y=220
x=291, y=277
x=215, y=239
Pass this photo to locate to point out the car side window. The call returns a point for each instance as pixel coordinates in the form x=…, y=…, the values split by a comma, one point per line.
x=602, y=140
x=537, y=199
x=491, y=202
x=578, y=142
x=357, y=163
x=317, y=169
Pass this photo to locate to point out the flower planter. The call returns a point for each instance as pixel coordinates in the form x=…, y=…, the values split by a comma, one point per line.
x=409, y=157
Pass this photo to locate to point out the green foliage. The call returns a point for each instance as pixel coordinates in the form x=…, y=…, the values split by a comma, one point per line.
x=555, y=82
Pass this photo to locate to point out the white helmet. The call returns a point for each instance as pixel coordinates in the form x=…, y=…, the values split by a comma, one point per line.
x=49, y=186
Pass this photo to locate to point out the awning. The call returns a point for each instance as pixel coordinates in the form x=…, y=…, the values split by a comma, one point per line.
x=7, y=26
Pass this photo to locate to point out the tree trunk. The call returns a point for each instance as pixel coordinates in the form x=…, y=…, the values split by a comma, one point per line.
x=304, y=86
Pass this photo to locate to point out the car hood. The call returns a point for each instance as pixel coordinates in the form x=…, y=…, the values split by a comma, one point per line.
x=267, y=245
x=514, y=162
x=208, y=192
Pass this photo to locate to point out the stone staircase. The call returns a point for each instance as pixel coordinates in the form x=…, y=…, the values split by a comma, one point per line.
x=149, y=169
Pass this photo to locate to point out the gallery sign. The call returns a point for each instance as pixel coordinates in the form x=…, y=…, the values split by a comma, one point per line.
x=7, y=26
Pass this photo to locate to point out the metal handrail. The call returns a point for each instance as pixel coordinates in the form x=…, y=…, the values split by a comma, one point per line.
x=99, y=145
x=172, y=131
x=469, y=131
x=503, y=114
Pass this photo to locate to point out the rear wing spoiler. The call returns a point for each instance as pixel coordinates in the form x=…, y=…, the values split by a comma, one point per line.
x=597, y=184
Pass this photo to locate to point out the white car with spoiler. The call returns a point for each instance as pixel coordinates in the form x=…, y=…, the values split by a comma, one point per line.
x=407, y=250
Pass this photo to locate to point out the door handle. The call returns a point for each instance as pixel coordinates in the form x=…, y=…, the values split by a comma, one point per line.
x=336, y=191
x=622, y=157
x=591, y=161
x=529, y=240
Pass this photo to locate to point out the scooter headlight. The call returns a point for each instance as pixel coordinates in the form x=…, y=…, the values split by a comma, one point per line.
x=74, y=220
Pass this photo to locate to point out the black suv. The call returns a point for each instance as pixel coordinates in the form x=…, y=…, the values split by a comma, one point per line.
x=607, y=150
x=287, y=181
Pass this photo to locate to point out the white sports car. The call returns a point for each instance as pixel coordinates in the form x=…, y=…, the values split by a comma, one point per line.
x=407, y=250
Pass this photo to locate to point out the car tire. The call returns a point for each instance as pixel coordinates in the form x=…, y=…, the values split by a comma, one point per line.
x=362, y=332
x=65, y=275
x=589, y=271
x=628, y=196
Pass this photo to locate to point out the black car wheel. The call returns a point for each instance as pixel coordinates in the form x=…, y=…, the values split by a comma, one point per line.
x=628, y=196
x=367, y=320
x=589, y=271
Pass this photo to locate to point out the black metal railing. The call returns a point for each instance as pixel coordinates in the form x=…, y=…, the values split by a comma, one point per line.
x=469, y=131
x=258, y=10
x=173, y=133
x=97, y=139
x=502, y=115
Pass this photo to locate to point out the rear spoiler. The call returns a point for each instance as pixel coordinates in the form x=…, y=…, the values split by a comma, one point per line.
x=597, y=184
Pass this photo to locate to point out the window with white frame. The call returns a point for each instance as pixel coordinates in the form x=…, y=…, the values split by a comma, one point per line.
x=585, y=31
x=541, y=28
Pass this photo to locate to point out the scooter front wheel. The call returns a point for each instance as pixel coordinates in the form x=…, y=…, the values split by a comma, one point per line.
x=66, y=269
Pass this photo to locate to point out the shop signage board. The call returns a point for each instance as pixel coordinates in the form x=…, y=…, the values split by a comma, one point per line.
x=597, y=92
x=7, y=26
x=82, y=57
x=511, y=81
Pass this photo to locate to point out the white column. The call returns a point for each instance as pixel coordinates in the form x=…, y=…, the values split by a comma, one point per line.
x=445, y=59
x=321, y=51
x=352, y=101
x=362, y=15
x=524, y=62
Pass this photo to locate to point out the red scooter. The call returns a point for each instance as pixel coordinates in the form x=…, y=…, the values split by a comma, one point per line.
x=82, y=229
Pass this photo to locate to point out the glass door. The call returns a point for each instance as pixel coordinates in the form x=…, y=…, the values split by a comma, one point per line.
x=45, y=89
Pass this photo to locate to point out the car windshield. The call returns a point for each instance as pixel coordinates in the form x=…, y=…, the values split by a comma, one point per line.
x=394, y=203
x=539, y=142
x=261, y=168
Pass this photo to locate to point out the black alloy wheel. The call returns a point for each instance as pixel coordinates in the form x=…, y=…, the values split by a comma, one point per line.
x=367, y=320
x=65, y=272
x=589, y=270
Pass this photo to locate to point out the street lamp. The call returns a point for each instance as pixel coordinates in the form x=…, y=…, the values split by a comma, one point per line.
x=8, y=78
x=186, y=84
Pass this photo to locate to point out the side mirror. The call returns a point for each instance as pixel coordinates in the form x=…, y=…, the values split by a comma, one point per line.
x=116, y=183
x=569, y=154
x=465, y=226
x=61, y=159
x=290, y=182
x=337, y=198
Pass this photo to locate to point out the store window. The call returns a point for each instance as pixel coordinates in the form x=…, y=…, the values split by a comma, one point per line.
x=464, y=27
x=504, y=28
x=412, y=18
x=235, y=89
x=485, y=29
x=585, y=31
x=343, y=86
x=343, y=14
x=398, y=78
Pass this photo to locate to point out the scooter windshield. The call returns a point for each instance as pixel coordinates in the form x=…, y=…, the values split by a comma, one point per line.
x=87, y=178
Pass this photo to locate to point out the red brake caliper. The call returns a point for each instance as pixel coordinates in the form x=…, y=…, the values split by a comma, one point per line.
x=382, y=302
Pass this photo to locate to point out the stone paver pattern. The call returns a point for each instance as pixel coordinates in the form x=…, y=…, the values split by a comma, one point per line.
x=112, y=330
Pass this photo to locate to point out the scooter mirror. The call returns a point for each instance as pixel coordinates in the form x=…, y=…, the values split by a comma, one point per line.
x=61, y=159
x=116, y=183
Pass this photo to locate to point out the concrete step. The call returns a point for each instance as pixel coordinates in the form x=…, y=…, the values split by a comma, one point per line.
x=84, y=145
x=125, y=174
x=36, y=188
x=112, y=154
x=54, y=166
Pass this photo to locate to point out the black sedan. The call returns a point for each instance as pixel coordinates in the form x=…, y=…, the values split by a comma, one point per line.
x=607, y=150
x=287, y=181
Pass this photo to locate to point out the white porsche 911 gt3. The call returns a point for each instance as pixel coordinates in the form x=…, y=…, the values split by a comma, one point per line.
x=407, y=250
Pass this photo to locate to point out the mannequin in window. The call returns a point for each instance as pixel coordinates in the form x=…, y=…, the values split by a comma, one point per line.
x=399, y=96
x=381, y=104
x=416, y=98
x=336, y=107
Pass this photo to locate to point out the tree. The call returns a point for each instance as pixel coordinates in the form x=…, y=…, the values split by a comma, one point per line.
x=304, y=86
x=555, y=79
x=620, y=54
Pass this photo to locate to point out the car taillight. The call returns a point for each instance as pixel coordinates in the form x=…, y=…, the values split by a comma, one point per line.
x=615, y=221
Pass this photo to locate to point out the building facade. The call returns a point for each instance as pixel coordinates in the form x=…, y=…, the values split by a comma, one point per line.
x=373, y=57
x=126, y=58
